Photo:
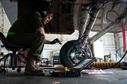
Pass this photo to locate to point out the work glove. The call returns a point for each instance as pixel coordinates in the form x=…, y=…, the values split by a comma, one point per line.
x=55, y=41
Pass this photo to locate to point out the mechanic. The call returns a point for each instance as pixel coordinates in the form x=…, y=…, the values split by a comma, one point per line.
x=28, y=31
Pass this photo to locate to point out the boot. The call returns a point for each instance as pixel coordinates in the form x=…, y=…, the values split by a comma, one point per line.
x=32, y=68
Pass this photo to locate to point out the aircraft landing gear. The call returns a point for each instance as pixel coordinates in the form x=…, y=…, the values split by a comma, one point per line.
x=77, y=53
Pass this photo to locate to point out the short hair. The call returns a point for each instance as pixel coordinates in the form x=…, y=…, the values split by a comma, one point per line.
x=45, y=13
x=44, y=7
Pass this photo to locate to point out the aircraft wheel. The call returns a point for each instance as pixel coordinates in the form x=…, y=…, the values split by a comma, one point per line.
x=71, y=54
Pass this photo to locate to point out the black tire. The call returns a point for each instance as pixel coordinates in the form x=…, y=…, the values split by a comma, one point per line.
x=71, y=54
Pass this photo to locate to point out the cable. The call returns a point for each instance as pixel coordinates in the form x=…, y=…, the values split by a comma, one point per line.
x=121, y=58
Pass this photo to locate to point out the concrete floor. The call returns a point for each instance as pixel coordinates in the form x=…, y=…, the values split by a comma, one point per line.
x=117, y=77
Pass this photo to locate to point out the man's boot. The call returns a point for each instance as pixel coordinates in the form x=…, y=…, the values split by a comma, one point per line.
x=32, y=68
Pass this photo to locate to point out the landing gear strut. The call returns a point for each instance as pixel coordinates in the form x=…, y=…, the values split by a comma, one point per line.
x=77, y=53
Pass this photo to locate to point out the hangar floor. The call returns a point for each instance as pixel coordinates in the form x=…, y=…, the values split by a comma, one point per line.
x=117, y=76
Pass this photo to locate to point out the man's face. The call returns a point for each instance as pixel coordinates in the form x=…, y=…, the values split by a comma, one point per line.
x=48, y=18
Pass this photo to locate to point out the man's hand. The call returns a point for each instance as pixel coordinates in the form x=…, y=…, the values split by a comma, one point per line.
x=55, y=41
